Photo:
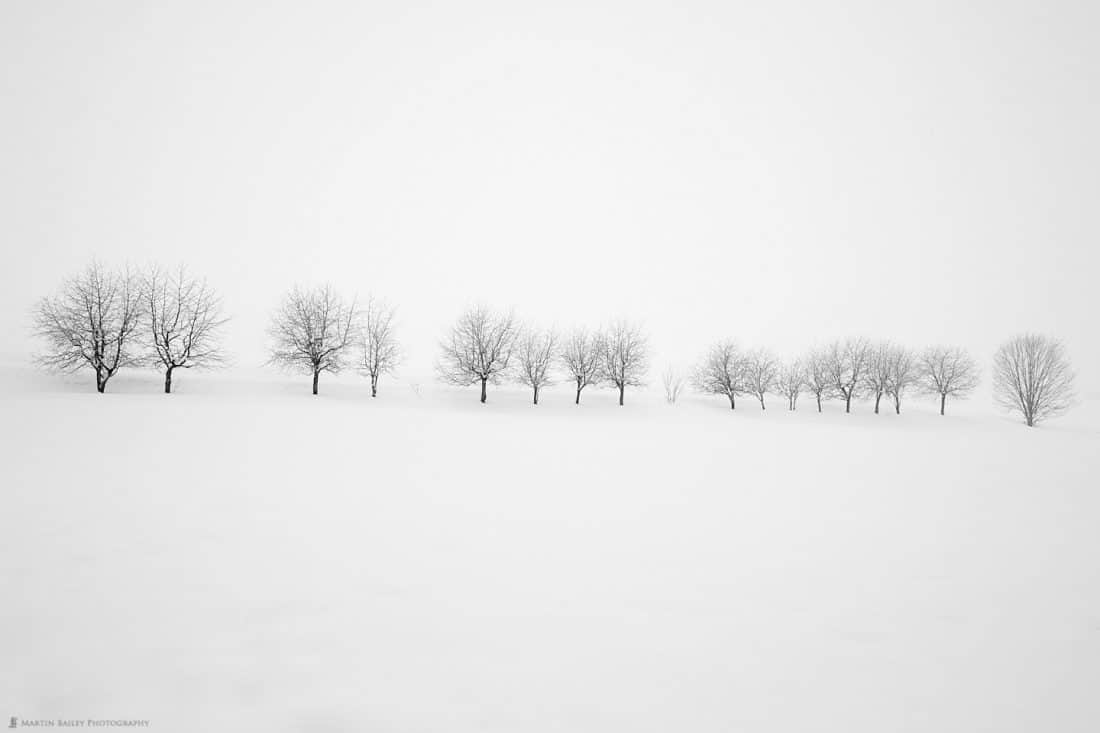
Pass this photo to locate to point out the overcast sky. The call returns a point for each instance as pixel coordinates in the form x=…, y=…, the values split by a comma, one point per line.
x=782, y=173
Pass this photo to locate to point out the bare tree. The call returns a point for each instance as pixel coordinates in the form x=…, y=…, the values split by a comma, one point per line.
x=92, y=321
x=185, y=319
x=761, y=370
x=625, y=356
x=582, y=356
x=721, y=371
x=819, y=381
x=478, y=349
x=847, y=364
x=535, y=359
x=673, y=382
x=902, y=373
x=791, y=382
x=312, y=331
x=947, y=371
x=1032, y=375
x=381, y=352
x=876, y=376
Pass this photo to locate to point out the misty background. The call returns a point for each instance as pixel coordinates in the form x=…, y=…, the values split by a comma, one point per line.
x=783, y=175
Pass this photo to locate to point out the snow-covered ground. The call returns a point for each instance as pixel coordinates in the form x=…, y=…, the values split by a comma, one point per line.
x=243, y=556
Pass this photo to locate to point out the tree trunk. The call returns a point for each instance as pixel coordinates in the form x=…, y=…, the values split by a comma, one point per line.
x=819, y=402
x=622, y=389
x=762, y=402
x=733, y=404
x=536, y=391
x=316, y=376
x=168, y=380
x=943, y=401
x=897, y=404
x=374, y=385
x=578, y=391
x=100, y=384
x=848, y=402
x=878, y=398
x=483, y=382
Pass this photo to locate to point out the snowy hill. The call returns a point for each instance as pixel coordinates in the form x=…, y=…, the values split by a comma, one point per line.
x=248, y=557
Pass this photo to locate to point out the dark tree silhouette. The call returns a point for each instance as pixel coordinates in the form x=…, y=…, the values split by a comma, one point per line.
x=625, y=356
x=312, y=330
x=847, y=365
x=1032, y=376
x=381, y=352
x=582, y=357
x=91, y=322
x=819, y=381
x=876, y=376
x=535, y=359
x=184, y=322
x=901, y=367
x=721, y=372
x=948, y=372
x=478, y=349
x=791, y=382
x=761, y=369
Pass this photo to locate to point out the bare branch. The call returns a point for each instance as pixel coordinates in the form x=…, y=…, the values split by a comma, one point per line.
x=582, y=357
x=1032, y=375
x=902, y=372
x=846, y=364
x=673, y=382
x=819, y=381
x=625, y=356
x=791, y=382
x=478, y=349
x=948, y=372
x=312, y=330
x=91, y=322
x=721, y=372
x=184, y=319
x=761, y=370
x=535, y=359
x=380, y=351
x=876, y=375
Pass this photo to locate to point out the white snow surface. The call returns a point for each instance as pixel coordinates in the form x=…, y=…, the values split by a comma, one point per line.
x=243, y=556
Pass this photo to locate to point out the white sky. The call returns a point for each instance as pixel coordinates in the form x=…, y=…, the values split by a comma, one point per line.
x=783, y=173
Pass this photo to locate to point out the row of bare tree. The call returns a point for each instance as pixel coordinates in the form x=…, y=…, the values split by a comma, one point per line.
x=107, y=320
x=843, y=370
x=110, y=319
x=316, y=330
x=1031, y=375
x=485, y=348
